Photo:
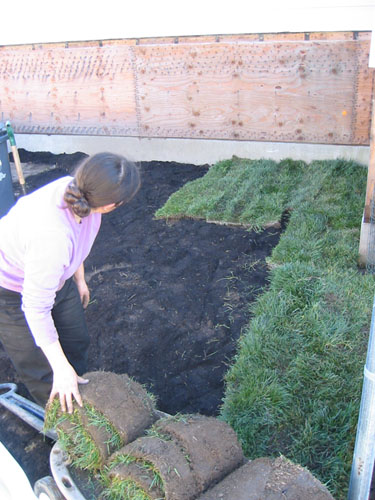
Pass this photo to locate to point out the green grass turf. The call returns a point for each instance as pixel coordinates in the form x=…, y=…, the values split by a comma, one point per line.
x=294, y=387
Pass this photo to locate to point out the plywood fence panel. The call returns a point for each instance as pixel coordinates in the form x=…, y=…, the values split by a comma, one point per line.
x=313, y=88
x=262, y=91
x=83, y=90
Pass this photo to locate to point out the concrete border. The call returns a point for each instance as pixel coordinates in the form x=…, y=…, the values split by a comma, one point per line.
x=195, y=151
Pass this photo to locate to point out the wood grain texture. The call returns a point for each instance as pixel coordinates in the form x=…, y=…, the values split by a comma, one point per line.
x=87, y=90
x=302, y=87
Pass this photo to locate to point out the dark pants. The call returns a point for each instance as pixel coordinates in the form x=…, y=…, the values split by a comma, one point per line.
x=28, y=359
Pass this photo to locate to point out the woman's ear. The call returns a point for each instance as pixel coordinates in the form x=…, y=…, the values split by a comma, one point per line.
x=105, y=209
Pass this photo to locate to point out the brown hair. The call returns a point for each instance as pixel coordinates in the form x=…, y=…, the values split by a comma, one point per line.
x=102, y=179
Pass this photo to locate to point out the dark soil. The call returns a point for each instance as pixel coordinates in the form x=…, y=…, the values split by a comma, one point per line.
x=168, y=300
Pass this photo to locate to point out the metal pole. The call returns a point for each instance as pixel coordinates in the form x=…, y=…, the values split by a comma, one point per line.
x=364, y=450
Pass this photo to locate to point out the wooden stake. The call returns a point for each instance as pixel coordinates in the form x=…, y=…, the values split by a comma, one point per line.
x=16, y=158
x=17, y=163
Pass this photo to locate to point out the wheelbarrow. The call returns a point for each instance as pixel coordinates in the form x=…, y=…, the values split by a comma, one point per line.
x=59, y=486
x=65, y=483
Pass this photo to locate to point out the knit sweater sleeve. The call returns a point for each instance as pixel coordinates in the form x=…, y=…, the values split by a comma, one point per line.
x=46, y=257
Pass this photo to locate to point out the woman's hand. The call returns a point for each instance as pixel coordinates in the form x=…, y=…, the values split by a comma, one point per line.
x=65, y=386
x=83, y=289
x=84, y=293
x=65, y=379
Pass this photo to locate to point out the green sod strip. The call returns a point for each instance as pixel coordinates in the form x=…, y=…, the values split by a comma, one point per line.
x=250, y=192
x=98, y=420
x=78, y=443
x=294, y=387
x=52, y=414
x=127, y=489
x=81, y=448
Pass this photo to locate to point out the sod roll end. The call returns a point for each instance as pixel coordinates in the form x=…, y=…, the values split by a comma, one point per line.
x=116, y=410
x=269, y=479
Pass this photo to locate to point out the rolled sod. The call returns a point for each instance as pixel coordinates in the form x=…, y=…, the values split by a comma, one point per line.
x=116, y=410
x=166, y=459
x=188, y=453
x=127, y=479
x=269, y=479
x=211, y=446
x=123, y=401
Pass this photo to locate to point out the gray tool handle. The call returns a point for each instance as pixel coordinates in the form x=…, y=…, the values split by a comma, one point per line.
x=29, y=412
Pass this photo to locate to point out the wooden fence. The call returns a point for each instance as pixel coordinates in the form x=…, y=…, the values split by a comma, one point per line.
x=309, y=88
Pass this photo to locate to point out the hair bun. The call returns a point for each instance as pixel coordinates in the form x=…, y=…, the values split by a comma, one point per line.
x=76, y=199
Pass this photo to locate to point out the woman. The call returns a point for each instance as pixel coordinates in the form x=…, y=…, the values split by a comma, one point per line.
x=44, y=240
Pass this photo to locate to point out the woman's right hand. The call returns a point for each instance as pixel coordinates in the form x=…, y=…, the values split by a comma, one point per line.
x=65, y=386
x=65, y=379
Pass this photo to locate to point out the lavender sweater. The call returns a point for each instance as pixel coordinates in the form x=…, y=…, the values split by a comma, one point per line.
x=41, y=246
